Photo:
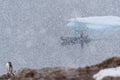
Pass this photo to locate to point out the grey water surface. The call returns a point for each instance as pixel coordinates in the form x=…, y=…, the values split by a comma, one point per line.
x=30, y=32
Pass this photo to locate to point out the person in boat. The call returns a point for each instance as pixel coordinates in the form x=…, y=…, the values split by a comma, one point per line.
x=81, y=34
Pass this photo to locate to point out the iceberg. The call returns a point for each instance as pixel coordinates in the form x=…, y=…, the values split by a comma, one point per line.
x=77, y=26
x=95, y=23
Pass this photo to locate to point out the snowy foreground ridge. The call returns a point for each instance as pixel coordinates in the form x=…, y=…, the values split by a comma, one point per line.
x=112, y=72
x=96, y=22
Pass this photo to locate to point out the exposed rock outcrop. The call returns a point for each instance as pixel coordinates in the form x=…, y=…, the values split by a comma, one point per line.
x=65, y=73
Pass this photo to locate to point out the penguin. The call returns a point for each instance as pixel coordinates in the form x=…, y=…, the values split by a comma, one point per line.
x=9, y=68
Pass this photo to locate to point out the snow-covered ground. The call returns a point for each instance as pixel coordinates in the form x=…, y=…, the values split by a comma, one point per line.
x=30, y=32
x=111, y=72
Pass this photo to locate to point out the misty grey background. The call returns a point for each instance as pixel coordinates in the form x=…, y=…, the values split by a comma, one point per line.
x=30, y=32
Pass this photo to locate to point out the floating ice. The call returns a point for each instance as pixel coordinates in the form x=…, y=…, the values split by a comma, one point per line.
x=95, y=23
x=77, y=26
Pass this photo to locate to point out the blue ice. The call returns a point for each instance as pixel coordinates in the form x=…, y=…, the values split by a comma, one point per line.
x=78, y=26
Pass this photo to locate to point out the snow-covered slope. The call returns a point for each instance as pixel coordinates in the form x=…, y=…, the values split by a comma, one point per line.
x=111, y=72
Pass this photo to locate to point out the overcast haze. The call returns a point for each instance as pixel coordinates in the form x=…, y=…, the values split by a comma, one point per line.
x=30, y=32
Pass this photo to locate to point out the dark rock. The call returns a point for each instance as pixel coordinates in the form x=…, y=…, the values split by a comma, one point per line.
x=65, y=73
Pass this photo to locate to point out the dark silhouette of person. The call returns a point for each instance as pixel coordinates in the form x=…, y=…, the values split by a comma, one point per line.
x=81, y=34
